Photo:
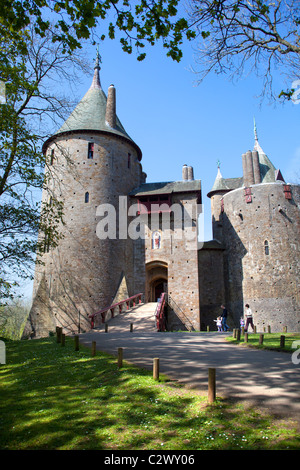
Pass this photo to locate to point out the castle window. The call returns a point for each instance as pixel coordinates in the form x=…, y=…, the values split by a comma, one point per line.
x=91, y=150
x=128, y=161
x=267, y=251
x=156, y=240
x=154, y=204
x=86, y=197
x=52, y=157
x=46, y=243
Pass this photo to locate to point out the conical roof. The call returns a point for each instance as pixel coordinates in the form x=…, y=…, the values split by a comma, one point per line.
x=267, y=169
x=89, y=114
x=224, y=184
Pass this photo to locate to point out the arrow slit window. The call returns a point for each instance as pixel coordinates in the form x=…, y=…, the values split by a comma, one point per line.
x=267, y=251
x=91, y=150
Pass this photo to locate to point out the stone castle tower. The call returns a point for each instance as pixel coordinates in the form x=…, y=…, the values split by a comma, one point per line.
x=93, y=161
x=256, y=220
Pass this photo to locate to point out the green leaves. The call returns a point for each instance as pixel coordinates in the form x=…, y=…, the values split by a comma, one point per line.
x=22, y=162
x=145, y=22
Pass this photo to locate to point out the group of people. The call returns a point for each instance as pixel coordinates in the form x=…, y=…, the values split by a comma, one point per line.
x=221, y=321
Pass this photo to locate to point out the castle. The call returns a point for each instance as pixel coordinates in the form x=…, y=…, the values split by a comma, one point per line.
x=124, y=236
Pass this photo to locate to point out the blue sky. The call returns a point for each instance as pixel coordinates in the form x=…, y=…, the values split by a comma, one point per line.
x=175, y=121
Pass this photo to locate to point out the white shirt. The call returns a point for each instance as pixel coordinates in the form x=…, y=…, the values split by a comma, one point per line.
x=248, y=313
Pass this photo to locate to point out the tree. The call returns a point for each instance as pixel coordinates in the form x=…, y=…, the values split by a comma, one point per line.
x=234, y=36
x=28, y=63
x=13, y=317
x=248, y=35
x=139, y=22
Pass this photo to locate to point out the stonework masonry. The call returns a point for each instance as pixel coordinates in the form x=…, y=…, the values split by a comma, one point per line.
x=261, y=240
x=74, y=280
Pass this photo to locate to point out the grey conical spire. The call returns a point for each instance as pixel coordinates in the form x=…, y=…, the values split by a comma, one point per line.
x=266, y=167
x=90, y=112
x=96, y=79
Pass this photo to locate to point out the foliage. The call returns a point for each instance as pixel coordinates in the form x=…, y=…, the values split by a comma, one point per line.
x=13, y=317
x=139, y=22
x=234, y=36
x=237, y=36
x=55, y=398
x=27, y=63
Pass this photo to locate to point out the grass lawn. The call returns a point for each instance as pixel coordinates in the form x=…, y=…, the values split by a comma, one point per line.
x=53, y=397
x=270, y=341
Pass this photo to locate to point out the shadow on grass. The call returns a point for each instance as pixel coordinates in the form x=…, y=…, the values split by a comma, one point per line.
x=53, y=397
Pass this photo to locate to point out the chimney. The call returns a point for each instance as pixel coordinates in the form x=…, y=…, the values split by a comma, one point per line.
x=185, y=172
x=256, y=168
x=248, y=169
x=190, y=172
x=110, y=115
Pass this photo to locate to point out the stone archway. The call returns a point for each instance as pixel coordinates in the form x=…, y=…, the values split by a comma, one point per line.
x=156, y=280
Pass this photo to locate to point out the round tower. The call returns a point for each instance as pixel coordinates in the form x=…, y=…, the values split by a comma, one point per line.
x=94, y=164
x=260, y=222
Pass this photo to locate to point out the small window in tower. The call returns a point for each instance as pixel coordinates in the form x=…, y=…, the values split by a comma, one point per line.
x=52, y=157
x=91, y=150
x=267, y=251
x=86, y=197
x=128, y=161
x=47, y=243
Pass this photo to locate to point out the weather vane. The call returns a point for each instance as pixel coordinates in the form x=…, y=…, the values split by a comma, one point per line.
x=98, y=57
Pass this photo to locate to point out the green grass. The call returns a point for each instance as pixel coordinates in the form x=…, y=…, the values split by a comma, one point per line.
x=53, y=397
x=270, y=341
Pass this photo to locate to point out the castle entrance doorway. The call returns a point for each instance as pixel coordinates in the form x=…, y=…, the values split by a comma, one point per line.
x=156, y=280
x=159, y=287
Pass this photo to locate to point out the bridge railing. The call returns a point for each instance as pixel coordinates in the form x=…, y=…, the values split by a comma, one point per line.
x=160, y=313
x=134, y=299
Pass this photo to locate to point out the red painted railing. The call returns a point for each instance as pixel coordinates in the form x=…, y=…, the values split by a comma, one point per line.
x=134, y=299
x=160, y=315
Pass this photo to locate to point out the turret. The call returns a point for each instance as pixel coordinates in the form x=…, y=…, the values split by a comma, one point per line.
x=94, y=165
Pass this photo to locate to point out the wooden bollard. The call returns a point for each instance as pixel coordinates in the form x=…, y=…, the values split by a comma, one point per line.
x=269, y=328
x=106, y=327
x=238, y=334
x=120, y=357
x=58, y=334
x=63, y=339
x=284, y=330
x=93, y=348
x=246, y=337
x=261, y=339
x=131, y=327
x=282, y=341
x=234, y=332
x=254, y=329
x=156, y=368
x=211, y=385
x=76, y=339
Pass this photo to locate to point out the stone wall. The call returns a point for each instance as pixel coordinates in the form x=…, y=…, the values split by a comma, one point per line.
x=179, y=257
x=211, y=284
x=262, y=264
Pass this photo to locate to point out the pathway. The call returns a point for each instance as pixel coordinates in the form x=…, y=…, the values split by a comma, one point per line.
x=257, y=376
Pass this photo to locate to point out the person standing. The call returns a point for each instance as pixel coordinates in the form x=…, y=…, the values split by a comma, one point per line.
x=249, y=318
x=219, y=323
x=224, y=318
